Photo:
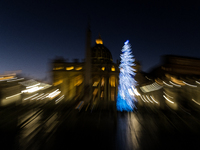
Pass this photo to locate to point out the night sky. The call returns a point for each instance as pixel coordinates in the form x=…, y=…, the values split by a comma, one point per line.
x=32, y=32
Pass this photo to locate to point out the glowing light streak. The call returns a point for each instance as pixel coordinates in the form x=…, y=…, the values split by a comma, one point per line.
x=154, y=100
x=148, y=78
x=16, y=80
x=135, y=91
x=149, y=99
x=59, y=99
x=31, y=90
x=131, y=92
x=145, y=99
x=175, y=84
x=38, y=96
x=31, y=96
x=167, y=84
x=7, y=78
x=177, y=81
x=189, y=84
x=195, y=102
x=167, y=94
x=32, y=86
x=197, y=82
x=54, y=94
x=142, y=99
x=45, y=96
x=42, y=96
x=13, y=96
x=159, y=81
x=168, y=99
x=80, y=104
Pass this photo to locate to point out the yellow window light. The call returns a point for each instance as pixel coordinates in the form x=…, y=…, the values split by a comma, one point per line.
x=95, y=83
x=113, y=69
x=78, y=68
x=70, y=68
x=102, y=94
x=102, y=82
x=103, y=68
x=112, y=81
x=58, y=68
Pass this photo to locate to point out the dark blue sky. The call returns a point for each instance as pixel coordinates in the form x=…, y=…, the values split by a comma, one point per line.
x=34, y=31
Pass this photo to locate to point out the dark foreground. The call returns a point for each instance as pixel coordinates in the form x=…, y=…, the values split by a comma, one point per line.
x=64, y=127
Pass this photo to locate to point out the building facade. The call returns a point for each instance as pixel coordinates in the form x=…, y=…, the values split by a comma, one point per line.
x=72, y=77
x=175, y=83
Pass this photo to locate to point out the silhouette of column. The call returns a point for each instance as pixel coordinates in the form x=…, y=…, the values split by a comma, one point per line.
x=87, y=69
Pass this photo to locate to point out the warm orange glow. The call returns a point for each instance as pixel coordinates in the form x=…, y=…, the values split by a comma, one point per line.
x=103, y=68
x=99, y=41
x=5, y=78
x=95, y=83
x=78, y=68
x=159, y=81
x=180, y=82
x=113, y=69
x=58, y=82
x=58, y=68
x=70, y=68
x=102, y=94
x=79, y=80
x=95, y=91
x=102, y=82
x=168, y=76
x=112, y=81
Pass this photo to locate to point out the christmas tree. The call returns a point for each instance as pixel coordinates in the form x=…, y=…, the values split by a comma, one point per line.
x=125, y=99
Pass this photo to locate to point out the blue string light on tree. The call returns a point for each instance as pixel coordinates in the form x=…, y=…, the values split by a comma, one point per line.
x=125, y=98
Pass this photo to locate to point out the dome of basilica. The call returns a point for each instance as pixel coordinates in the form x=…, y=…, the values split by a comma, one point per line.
x=100, y=53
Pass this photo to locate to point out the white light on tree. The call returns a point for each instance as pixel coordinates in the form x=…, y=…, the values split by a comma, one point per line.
x=125, y=99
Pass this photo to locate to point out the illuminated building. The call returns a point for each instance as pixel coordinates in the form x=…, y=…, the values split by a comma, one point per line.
x=70, y=76
x=179, y=77
x=94, y=79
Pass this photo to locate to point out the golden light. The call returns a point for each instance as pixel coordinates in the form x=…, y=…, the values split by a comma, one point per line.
x=70, y=68
x=159, y=81
x=58, y=82
x=78, y=68
x=112, y=81
x=58, y=68
x=113, y=69
x=102, y=94
x=5, y=78
x=95, y=83
x=95, y=91
x=103, y=68
x=78, y=80
x=180, y=82
x=99, y=41
x=102, y=82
